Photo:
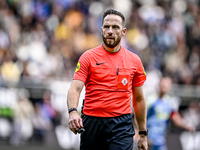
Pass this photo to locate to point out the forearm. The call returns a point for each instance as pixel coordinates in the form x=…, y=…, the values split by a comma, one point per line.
x=75, y=121
x=140, y=114
x=179, y=122
x=72, y=98
x=74, y=94
x=139, y=106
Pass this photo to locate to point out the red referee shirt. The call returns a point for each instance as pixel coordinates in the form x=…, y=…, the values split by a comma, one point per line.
x=109, y=78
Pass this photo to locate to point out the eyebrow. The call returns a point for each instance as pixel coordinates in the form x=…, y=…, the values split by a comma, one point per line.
x=111, y=25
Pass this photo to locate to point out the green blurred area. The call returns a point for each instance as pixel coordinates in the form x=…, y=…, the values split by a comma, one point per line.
x=6, y=112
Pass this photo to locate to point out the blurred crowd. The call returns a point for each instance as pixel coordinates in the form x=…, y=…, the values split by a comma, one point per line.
x=41, y=40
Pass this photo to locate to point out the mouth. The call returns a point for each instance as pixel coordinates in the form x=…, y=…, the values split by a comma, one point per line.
x=110, y=38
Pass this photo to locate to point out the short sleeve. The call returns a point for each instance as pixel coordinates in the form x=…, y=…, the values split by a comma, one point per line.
x=82, y=68
x=140, y=74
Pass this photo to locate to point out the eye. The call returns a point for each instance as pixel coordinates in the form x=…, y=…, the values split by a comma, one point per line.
x=106, y=27
x=115, y=27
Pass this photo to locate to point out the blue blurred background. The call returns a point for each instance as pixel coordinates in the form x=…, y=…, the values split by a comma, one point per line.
x=41, y=41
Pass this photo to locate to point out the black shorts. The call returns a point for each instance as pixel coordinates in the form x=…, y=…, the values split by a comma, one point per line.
x=115, y=133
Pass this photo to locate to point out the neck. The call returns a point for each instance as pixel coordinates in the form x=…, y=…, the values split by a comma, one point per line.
x=161, y=94
x=112, y=50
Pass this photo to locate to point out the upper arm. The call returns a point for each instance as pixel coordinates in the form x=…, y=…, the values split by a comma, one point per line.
x=175, y=116
x=83, y=67
x=140, y=75
x=77, y=85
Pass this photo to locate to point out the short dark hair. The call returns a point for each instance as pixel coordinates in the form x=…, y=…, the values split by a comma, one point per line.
x=114, y=12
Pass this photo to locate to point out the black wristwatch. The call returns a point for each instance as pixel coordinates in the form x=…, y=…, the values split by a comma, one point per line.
x=146, y=132
x=72, y=109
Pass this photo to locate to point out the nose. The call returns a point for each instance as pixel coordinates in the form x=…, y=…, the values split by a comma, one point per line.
x=110, y=30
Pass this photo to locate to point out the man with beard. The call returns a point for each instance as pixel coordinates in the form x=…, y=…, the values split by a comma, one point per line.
x=111, y=75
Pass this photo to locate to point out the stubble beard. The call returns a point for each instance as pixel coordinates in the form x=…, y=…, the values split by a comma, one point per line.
x=111, y=44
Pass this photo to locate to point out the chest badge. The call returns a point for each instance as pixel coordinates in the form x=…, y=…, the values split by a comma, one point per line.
x=124, y=81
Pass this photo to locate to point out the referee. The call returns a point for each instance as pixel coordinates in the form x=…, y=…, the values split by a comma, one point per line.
x=111, y=75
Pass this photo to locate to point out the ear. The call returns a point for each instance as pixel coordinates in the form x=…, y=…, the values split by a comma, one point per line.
x=124, y=31
x=101, y=31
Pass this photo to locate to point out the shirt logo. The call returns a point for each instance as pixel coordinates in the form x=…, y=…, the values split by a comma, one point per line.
x=100, y=63
x=78, y=66
x=124, y=81
x=144, y=72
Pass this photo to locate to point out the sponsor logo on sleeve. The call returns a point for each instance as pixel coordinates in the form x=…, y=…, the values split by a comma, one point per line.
x=78, y=66
x=144, y=72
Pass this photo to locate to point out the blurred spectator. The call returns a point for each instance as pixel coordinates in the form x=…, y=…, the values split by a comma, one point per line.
x=160, y=31
x=23, y=114
x=46, y=118
x=161, y=108
x=5, y=128
x=9, y=69
x=4, y=40
x=192, y=114
x=46, y=107
x=8, y=99
x=41, y=125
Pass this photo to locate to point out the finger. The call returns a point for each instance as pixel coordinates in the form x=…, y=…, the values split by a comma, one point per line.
x=80, y=130
x=72, y=125
x=140, y=148
x=76, y=124
x=71, y=128
x=73, y=131
x=80, y=122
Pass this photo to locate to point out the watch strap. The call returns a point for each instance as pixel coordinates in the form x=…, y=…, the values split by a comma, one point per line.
x=72, y=109
x=143, y=132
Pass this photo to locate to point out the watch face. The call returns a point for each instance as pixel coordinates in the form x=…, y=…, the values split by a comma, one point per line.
x=143, y=132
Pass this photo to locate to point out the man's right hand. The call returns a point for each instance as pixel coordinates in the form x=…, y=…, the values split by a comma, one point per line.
x=75, y=121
